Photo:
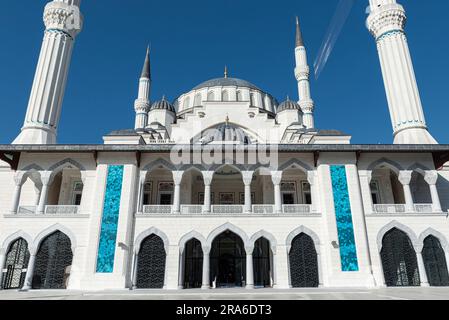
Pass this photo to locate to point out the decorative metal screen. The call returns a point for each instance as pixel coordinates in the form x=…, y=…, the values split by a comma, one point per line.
x=262, y=263
x=303, y=263
x=435, y=262
x=228, y=261
x=151, y=263
x=51, y=270
x=16, y=265
x=399, y=260
x=193, y=265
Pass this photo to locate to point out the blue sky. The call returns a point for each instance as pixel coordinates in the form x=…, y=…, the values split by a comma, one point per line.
x=193, y=40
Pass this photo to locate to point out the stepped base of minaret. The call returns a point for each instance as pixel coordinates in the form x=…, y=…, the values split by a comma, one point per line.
x=35, y=136
x=414, y=136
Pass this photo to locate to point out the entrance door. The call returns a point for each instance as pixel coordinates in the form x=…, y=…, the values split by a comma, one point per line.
x=435, y=262
x=262, y=263
x=228, y=261
x=16, y=265
x=193, y=265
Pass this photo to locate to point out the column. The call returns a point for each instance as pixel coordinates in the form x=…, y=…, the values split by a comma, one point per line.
x=276, y=177
x=247, y=180
x=141, y=192
x=365, y=186
x=18, y=180
x=313, y=189
x=320, y=269
x=249, y=268
x=177, y=179
x=431, y=178
x=38, y=194
x=2, y=266
x=207, y=177
x=206, y=269
x=181, y=269
x=46, y=181
x=136, y=261
x=405, y=177
x=30, y=273
x=422, y=269
x=273, y=267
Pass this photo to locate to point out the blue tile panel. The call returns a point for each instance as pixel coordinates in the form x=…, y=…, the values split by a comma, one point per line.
x=345, y=227
x=109, y=222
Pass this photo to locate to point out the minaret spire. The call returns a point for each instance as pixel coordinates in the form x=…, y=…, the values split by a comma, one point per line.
x=302, y=73
x=63, y=22
x=386, y=23
x=142, y=103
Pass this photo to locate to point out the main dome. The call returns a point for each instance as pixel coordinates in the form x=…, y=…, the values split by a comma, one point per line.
x=226, y=82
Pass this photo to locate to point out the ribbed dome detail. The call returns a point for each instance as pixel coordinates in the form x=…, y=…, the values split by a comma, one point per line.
x=288, y=105
x=224, y=133
x=163, y=105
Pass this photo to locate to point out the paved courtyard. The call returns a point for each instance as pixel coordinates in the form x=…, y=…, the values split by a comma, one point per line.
x=237, y=294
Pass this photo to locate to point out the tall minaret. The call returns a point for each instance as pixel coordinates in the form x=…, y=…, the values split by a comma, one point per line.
x=302, y=73
x=142, y=104
x=386, y=22
x=63, y=22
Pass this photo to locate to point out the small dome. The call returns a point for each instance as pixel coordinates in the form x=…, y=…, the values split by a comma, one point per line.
x=288, y=105
x=163, y=105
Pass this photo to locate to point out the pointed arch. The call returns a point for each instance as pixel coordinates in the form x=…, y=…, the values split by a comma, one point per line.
x=418, y=167
x=197, y=167
x=267, y=235
x=394, y=166
x=228, y=226
x=157, y=163
x=307, y=231
x=145, y=234
x=13, y=237
x=192, y=235
x=397, y=225
x=48, y=231
x=32, y=167
x=303, y=166
x=237, y=167
x=436, y=234
x=69, y=162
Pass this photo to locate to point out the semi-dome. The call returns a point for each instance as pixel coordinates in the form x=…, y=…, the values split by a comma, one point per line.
x=288, y=105
x=163, y=105
x=226, y=82
x=223, y=133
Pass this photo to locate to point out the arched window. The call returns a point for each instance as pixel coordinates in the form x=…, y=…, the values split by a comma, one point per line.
x=253, y=99
x=151, y=263
x=193, y=264
x=16, y=265
x=435, y=262
x=198, y=100
x=239, y=96
x=186, y=103
x=225, y=96
x=53, y=261
x=399, y=260
x=211, y=96
x=303, y=262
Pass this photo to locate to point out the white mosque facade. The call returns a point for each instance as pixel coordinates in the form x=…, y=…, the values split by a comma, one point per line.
x=224, y=187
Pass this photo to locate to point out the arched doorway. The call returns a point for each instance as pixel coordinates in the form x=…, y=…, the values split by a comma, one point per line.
x=262, y=263
x=303, y=262
x=399, y=260
x=151, y=263
x=193, y=265
x=435, y=262
x=14, y=270
x=53, y=261
x=228, y=261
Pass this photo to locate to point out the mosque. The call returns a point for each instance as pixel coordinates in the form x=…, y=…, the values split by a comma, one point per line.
x=224, y=186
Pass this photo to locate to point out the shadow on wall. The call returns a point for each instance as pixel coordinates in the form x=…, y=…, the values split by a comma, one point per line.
x=443, y=191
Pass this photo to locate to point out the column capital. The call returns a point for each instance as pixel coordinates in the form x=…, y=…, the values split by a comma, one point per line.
x=368, y=174
x=19, y=179
x=208, y=177
x=247, y=177
x=46, y=177
x=405, y=177
x=431, y=177
x=311, y=177
x=177, y=177
x=276, y=177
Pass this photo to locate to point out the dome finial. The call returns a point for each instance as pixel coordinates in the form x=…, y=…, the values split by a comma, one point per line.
x=226, y=72
x=227, y=119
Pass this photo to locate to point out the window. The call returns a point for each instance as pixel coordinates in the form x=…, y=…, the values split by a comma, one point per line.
x=198, y=100
x=227, y=198
x=77, y=193
x=253, y=100
x=211, y=96
x=187, y=103
x=147, y=188
x=242, y=197
x=166, y=193
x=201, y=198
x=375, y=193
x=306, y=193
x=288, y=190
x=225, y=96
x=239, y=96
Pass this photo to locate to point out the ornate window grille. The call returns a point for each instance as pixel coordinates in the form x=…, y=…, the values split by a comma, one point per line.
x=151, y=263
x=435, y=262
x=193, y=265
x=16, y=264
x=53, y=261
x=399, y=260
x=303, y=262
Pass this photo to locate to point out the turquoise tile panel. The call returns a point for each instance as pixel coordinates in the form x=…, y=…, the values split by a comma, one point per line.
x=345, y=227
x=109, y=223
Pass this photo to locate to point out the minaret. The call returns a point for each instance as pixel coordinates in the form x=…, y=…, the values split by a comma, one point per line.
x=142, y=104
x=386, y=22
x=302, y=73
x=63, y=22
